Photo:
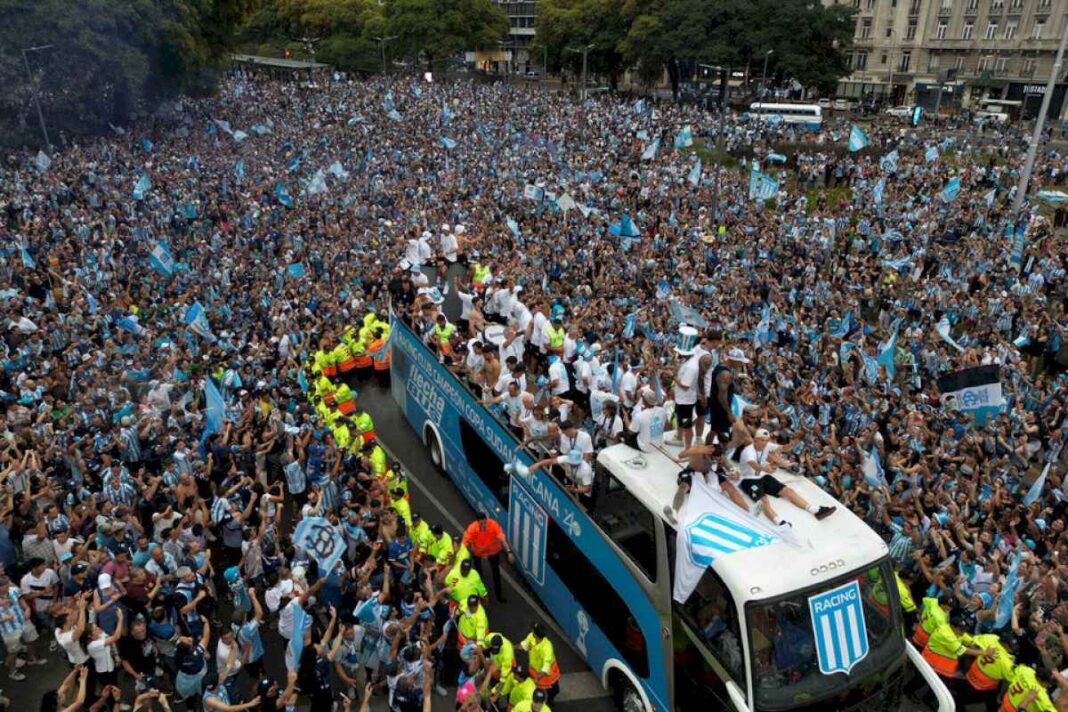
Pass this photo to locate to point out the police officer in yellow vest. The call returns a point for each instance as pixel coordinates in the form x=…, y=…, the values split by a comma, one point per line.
x=543, y=667
x=479, y=274
x=463, y=582
x=931, y=616
x=944, y=649
x=419, y=531
x=472, y=622
x=443, y=332
x=500, y=651
x=364, y=425
x=556, y=334
x=989, y=670
x=400, y=505
x=1027, y=691
x=537, y=703
x=440, y=547
x=905, y=596
x=520, y=688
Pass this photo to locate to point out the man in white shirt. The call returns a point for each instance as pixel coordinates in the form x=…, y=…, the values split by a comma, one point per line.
x=686, y=380
x=628, y=385
x=646, y=430
x=559, y=383
x=39, y=586
x=760, y=459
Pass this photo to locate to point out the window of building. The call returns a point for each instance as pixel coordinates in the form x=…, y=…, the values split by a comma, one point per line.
x=1038, y=28
x=933, y=62
x=973, y=5
x=996, y=5
x=484, y=462
x=871, y=4
x=1001, y=65
x=940, y=33
x=967, y=31
x=1010, y=29
x=865, y=28
x=947, y=5
x=1028, y=68
x=910, y=31
x=1044, y=3
x=991, y=31
x=856, y=4
x=882, y=59
x=597, y=597
x=906, y=60
x=983, y=65
x=958, y=64
x=860, y=61
x=889, y=30
x=625, y=520
x=1017, y=4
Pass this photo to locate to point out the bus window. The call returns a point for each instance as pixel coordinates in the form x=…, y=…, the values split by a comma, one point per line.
x=711, y=614
x=598, y=598
x=625, y=520
x=484, y=462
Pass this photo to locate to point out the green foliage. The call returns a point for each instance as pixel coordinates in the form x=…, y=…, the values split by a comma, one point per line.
x=108, y=58
x=439, y=29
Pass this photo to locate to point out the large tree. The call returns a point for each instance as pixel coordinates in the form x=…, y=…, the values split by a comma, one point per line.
x=574, y=24
x=436, y=30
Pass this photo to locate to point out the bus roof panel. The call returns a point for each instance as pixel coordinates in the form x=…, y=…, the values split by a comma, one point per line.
x=818, y=550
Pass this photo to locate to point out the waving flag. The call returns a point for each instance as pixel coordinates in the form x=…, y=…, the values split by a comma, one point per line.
x=886, y=354
x=197, y=320
x=877, y=191
x=874, y=474
x=161, y=259
x=1007, y=597
x=42, y=161
x=650, y=151
x=931, y=154
x=394, y=115
x=857, y=139
x=684, y=138
x=240, y=135
x=239, y=170
x=1035, y=491
x=337, y=171
x=317, y=184
x=624, y=228
x=738, y=405
x=225, y=126
x=889, y=162
x=214, y=408
x=448, y=143
x=630, y=323
x=952, y=190
x=844, y=327
x=662, y=289
x=282, y=195
x=711, y=526
x=871, y=367
x=898, y=263
x=776, y=158
x=989, y=197
x=147, y=145
x=141, y=187
x=639, y=107
x=695, y=173
x=976, y=391
x=762, y=186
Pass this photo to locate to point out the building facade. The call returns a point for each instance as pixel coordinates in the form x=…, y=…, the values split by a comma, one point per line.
x=977, y=49
x=516, y=48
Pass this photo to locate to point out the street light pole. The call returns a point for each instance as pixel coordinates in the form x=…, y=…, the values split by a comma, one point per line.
x=1036, y=135
x=382, y=41
x=33, y=88
x=764, y=74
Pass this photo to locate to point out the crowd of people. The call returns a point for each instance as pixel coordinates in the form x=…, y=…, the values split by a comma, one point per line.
x=187, y=299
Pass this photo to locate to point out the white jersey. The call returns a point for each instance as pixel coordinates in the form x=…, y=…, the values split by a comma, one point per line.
x=686, y=383
x=649, y=427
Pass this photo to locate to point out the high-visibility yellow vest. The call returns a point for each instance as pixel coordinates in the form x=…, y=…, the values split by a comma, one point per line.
x=364, y=423
x=505, y=659
x=480, y=274
x=521, y=692
x=441, y=548
x=1022, y=682
x=556, y=337
x=542, y=655
x=473, y=626
x=905, y=595
x=464, y=586
x=444, y=333
x=932, y=615
x=989, y=670
x=403, y=510
x=421, y=535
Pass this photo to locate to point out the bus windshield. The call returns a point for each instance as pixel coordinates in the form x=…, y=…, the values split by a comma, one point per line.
x=786, y=669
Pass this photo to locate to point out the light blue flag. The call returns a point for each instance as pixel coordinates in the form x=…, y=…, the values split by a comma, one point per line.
x=650, y=151
x=141, y=187
x=42, y=161
x=843, y=352
x=1035, y=491
x=695, y=173
x=337, y=171
x=161, y=259
x=214, y=408
x=394, y=115
x=295, y=270
x=387, y=100
x=871, y=367
x=513, y=226
x=1007, y=597
x=952, y=190
x=886, y=354
x=355, y=120
x=446, y=115
x=662, y=289
x=91, y=302
x=874, y=475
x=776, y=158
x=889, y=162
x=282, y=196
x=738, y=405
x=27, y=260
x=317, y=184
x=239, y=169
x=147, y=145
x=684, y=138
x=989, y=197
x=321, y=540
x=259, y=129
x=762, y=187
x=857, y=139
x=129, y=323
x=762, y=333
x=931, y=154
x=294, y=163
x=630, y=323
x=877, y=191
x=624, y=228
x=448, y=143
x=197, y=320
x=639, y=106
x=844, y=327
x=898, y=263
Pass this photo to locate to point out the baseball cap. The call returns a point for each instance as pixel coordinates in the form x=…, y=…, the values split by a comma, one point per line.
x=761, y=433
x=737, y=355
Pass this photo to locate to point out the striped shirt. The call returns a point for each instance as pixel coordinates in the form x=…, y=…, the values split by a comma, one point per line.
x=124, y=493
x=12, y=619
x=131, y=445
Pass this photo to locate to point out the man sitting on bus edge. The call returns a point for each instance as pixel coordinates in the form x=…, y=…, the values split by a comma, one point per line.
x=705, y=461
x=759, y=460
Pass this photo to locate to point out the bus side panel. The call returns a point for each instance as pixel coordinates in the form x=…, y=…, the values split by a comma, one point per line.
x=427, y=392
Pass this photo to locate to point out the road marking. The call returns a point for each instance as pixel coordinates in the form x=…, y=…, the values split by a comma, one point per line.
x=516, y=586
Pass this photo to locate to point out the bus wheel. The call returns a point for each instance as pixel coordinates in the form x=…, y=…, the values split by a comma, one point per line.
x=434, y=446
x=624, y=694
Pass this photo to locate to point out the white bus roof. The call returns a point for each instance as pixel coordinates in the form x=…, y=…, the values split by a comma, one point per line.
x=829, y=548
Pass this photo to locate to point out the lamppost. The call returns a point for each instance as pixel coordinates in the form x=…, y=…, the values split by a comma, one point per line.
x=382, y=41
x=584, y=51
x=33, y=88
x=764, y=74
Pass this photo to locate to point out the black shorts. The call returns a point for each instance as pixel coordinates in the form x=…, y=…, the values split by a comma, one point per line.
x=757, y=487
x=702, y=410
x=684, y=414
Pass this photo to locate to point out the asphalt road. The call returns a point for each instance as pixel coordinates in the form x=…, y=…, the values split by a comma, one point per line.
x=434, y=496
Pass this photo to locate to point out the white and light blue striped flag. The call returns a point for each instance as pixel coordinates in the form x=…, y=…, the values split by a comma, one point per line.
x=738, y=405
x=197, y=320
x=886, y=354
x=282, y=195
x=129, y=323
x=952, y=190
x=684, y=138
x=448, y=143
x=513, y=226
x=898, y=263
x=844, y=326
x=147, y=145
x=394, y=115
x=161, y=259
x=871, y=367
x=1007, y=597
x=889, y=162
x=695, y=173
x=42, y=161
x=989, y=197
x=877, y=191
x=624, y=228
x=141, y=187
x=630, y=323
x=214, y=408
x=931, y=154
x=337, y=171
x=27, y=261
x=639, y=107
x=857, y=139
x=761, y=186
x=239, y=169
x=317, y=184
x=662, y=288
x=874, y=474
x=776, y=158
x=650, y=151
x=1035, y=491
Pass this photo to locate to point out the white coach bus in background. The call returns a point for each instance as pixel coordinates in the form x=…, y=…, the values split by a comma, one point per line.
x=808, y=116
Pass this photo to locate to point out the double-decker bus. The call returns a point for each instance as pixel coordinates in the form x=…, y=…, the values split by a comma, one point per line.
x=752, y=634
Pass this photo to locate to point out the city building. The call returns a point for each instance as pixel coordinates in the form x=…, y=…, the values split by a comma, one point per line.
x=979, y=50
x=513, y=56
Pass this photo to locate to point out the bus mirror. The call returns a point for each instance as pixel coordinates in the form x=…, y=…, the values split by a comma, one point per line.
x=737, y=697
